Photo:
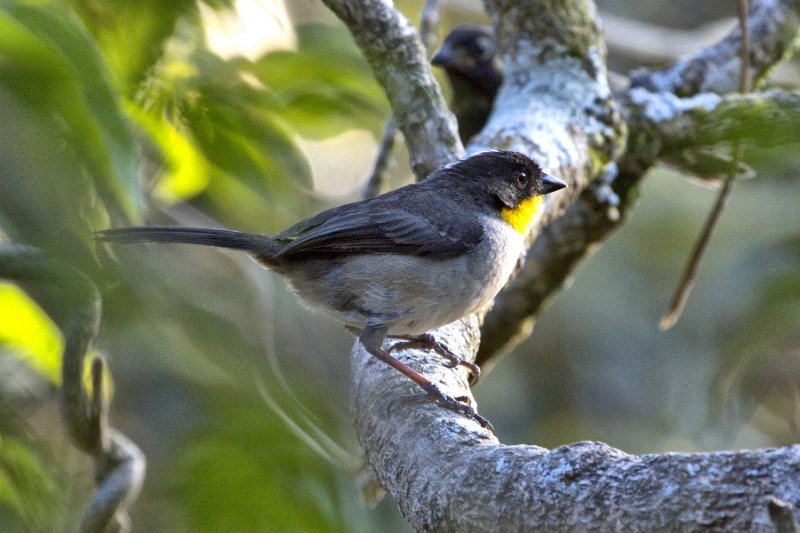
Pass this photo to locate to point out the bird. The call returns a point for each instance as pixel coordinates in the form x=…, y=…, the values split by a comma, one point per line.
x=469, y=58
x=403, y=263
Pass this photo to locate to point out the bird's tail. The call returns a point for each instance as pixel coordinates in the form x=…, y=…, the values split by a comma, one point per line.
x=260, y=245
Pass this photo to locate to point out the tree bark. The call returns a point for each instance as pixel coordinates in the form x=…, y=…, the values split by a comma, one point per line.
x=397, y=57
x=650, y=105
x=444, y=470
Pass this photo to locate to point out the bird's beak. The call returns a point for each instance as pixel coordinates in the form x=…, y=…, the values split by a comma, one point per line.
x=552, y=183
x=443, y=57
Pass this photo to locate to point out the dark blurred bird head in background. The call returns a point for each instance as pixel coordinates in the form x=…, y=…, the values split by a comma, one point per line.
x=469, y=58
x=469, y=53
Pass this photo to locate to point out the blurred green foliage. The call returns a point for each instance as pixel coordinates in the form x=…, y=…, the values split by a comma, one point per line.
x=235, y=468
x=55, y=68
x=109, y=112
x=132, y=35
x=28, y=495
x=323, y=90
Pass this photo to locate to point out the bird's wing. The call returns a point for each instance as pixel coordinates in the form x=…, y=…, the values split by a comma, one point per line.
x=381, y=226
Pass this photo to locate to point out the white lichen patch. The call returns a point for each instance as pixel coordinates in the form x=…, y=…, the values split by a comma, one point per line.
x=665, y=106
x=551, y=101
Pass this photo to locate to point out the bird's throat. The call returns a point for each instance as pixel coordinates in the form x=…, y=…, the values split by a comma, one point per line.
x=521, y=216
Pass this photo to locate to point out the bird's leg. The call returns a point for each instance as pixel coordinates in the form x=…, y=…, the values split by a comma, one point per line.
x=426, y=341
x=372, y=339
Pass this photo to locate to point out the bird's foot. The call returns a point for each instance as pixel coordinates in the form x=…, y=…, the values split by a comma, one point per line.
x=434, y=394
x=426, y=341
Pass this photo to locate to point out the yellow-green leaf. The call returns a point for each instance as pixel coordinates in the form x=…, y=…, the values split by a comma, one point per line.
x=29, y=333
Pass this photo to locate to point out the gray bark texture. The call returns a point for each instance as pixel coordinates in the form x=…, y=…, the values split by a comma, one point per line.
x=445, y=471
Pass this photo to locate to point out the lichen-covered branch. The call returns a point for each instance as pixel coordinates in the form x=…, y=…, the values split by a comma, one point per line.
x=119, y=464
x=397, y=57
x=773, y=32
x=443, y=469
x=649, y=119
x=662, y=126
x=448, y=474
x=428, y=25
x=765, y=119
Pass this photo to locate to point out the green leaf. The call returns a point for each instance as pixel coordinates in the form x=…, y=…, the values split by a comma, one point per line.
x=187, y=170
x=132, y=35
x=289, y=488
x=51, y=63
x=326, y=86
x=29, y=333
x=227, y=125
x=27, y=491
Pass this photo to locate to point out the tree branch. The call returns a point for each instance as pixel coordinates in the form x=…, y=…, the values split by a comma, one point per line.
x=380, y=176
x=458, y=478
x=673, y=125
x=773, y=30
x=428, y=25
x=397, y=57
x=555, y=104
x=119, y=464
x=763, y=119
x=550, y=262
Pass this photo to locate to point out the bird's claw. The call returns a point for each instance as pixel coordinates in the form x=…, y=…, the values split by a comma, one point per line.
x=434, y=394
x=428, y=342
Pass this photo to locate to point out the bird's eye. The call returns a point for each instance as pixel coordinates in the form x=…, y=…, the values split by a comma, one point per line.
x=521, y=178
x=484, y=48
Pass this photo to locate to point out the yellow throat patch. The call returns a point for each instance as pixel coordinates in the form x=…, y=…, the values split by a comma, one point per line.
x=521, y=216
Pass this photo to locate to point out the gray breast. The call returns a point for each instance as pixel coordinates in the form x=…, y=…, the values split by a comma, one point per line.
x=413, y=294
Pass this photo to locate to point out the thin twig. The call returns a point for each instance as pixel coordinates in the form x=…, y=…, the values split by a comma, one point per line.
x=782, y=516
x=744, y=81
x=429, y=23
x=689, y=276
x=379, y=176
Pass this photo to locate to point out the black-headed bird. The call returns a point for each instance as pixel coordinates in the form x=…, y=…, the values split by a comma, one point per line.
x=469, y=58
